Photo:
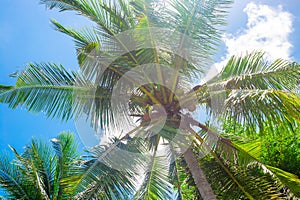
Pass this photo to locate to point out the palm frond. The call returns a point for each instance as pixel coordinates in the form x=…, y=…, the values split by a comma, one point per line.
x=177, y=177
x=156, y=183
x=201, y=21
x=10, y=179
x=39, y=154
x=102, y=179
x=251, y=90
x=62, y=5
x=254, y=72
x=253, y=148
x=35, y=171
x=232, y=182
x=185, y=183
x=110, y=172
x=112, y=17
x=4, y=88
x=38, y=174
x=291, y=181
x=82, y=38
x=67, y=173
x=51, y=89
x=43, y=87
x=252, y=107
x=97, y=49
x=109, y=16
x=246, y=176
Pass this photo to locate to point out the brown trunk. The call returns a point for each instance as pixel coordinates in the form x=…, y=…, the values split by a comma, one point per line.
x=199, y=177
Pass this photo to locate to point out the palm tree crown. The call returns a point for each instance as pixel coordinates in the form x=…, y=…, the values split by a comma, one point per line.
x=42, y=172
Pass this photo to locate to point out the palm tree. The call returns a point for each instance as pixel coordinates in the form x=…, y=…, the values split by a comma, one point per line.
x=42, y=172
x=138, y=65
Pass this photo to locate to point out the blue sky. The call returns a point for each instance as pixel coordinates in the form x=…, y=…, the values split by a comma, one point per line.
x=27, y=36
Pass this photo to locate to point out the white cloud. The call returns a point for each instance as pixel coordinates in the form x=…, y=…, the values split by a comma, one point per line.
x=268, y=29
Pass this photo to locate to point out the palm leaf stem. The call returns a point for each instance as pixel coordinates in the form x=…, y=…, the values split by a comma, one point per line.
x=180, y=47
x=160, y=76
x=151, y=171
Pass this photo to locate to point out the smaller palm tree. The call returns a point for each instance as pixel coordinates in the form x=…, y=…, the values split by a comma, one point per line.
x=42, y=171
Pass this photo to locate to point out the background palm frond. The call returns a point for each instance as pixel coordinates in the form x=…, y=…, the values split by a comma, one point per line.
x=38, y=173
x=10, y=179
x=66, y=173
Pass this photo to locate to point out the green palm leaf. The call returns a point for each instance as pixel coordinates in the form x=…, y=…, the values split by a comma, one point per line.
x=35, y=164
x=184, y=182
x=251, y=90
x=4, y=88
x=201, y=21
x=243, y=176
x=67, y=173
x=288, y=179
x=156, y=183
x=10, y=179
x=81, y=38
x=110, y=172
x=37, y=173
x=102, y=181
x=51, y=89
x=253, y=71
x=47, y=88
x=253, y=148
x=97, y=11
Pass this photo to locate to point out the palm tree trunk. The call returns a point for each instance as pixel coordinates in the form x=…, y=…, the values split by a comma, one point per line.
x=199, y=177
